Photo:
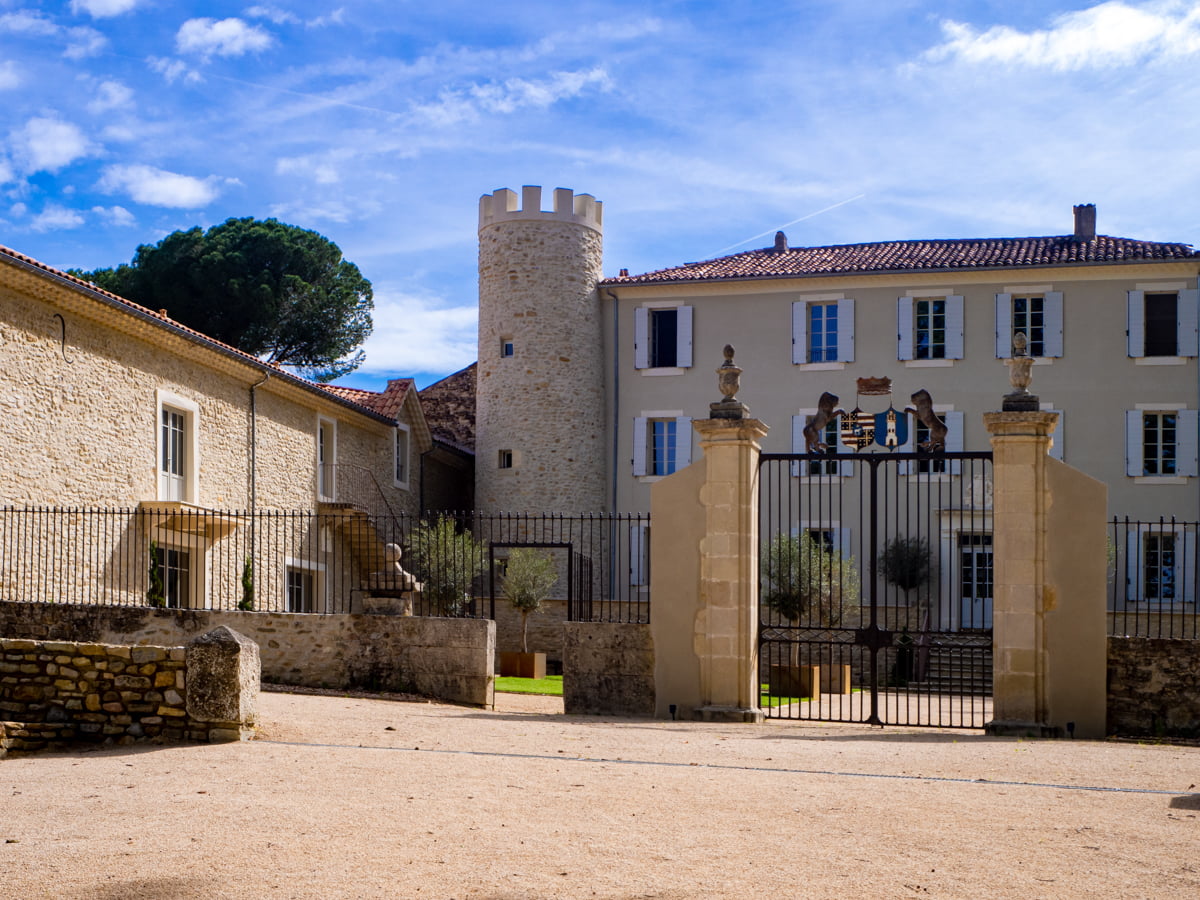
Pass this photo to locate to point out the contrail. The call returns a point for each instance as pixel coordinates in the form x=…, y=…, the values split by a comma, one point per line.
x=787, y=224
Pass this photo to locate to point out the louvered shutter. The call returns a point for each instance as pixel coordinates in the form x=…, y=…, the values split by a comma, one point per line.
x=1188, y=319
x=799, y=333
x=683, y=336
x=955, y=439
x=845, y=345
x=1186, y=443
x=954, y=327
x=641, y=338
x=683, y=442
x=639, y=446
x=1003, y=326
x=1135, y=324
x=1052, y=319
x=1133, y=442
x=904, y=328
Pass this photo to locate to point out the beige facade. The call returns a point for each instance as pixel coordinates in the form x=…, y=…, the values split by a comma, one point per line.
x=110, y=406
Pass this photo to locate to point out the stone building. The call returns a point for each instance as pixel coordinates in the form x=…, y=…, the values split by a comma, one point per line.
x=111, y=406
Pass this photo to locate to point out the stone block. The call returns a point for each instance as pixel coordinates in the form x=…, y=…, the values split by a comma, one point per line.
x=148, y=654
x=835, y=679
x=794, y=681
x=223, y=675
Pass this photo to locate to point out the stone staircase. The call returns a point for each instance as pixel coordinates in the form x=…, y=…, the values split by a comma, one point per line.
x=957, y=670
x=360, y=535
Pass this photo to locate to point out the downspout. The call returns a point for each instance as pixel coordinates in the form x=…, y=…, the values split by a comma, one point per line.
x=616, y=392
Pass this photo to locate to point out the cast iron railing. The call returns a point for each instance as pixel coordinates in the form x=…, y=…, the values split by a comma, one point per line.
x=1152, y=578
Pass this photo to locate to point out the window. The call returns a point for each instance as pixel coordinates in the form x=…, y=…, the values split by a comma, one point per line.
x=929, y=328
x=178, y=448
x=822, y=331
x=301, y=590
x=1158, y=568
x=975, y=579
x=1162, y=324
x=1160, y=443
x=815, y=468
x=506, y=459
x=401, y=454
x=1160, y=564
x=1037, y=315
x=662, y=337
x=507, y=348
x=175, y=571
x=326, y=459
x=919, y=434
x=662, y=443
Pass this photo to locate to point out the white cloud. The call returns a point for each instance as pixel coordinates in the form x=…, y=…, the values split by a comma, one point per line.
x=28, y=23
x=110, y=95
x=9, y=76
x=320, y=172
x=115, y=215
x=84, y=42
x=510, y=95
x=227, y=37
x=6, y=171
x=55, y=217
x=418, y=334
x=102, y=9
x=1108, y=35
x=157, y=187
x=273, y=14
x=173, y=69
x=47, y=144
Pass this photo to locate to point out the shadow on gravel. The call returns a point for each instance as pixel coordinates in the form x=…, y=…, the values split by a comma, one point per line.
x=1186, y=801
x=153, y=889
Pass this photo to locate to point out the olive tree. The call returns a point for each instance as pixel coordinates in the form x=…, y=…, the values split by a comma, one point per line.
x=447, y=559
x=528, y=580
x=804, y=581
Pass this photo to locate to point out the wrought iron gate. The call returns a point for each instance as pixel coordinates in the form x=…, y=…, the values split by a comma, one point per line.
x=875, y=587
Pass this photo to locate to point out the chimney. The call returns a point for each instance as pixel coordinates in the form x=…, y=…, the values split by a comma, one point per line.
x=1085, y=222
x=780, y=242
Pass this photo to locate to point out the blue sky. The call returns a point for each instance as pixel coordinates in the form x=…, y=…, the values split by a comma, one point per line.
x=702, y=126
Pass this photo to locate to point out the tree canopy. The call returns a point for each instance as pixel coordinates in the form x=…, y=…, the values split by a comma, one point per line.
x=276, y=291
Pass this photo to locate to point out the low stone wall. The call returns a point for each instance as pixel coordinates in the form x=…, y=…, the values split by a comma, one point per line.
x=55, y=694
x=449, y=659
x=608, y=669
x=1152, y=687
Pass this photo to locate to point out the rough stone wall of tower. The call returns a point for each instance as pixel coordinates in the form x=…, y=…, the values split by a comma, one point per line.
x=544, y=404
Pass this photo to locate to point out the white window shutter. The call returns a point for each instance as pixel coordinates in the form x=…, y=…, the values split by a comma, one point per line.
x=954, y=327
x=1135, y=324
x=1056, y=448
x=799, y=332
x=641, y=338
x=1133, y=442
x=1003, y=326
x=1186, y=443
x=1186, y=574
x=1189, y=320
x=841, y=542
x=683, y=347
x=639, y=548
x=904, y=328
x=845, y=347
x=955, y=439
x=1052, y=319
x=1133, y=565
x=909, y=446
x=798, y=423
x=683, y=442
x=639, y=446
x=845, y=466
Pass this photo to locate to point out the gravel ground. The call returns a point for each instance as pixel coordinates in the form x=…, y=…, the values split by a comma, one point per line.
x=358, y=797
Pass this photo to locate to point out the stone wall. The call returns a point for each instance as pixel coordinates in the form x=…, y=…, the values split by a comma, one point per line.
x=1152, y=687
x=449, y=659
x=57, y=693
x=608, y=669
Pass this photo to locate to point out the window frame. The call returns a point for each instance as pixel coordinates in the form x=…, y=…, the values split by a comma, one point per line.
x=643, y=451
x=906, y=328
x=1052, y=321
x=1187, y=316
x=835, y=468
x=402, y=446
x=326, y=470
x=643, y=358
x=801, y=331
x=189, y=410
x=1186, y=446
x=318, y=600
x=1183, y=569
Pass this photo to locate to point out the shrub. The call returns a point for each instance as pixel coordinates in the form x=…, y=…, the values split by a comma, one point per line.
x=804, y=580
x=447, y=560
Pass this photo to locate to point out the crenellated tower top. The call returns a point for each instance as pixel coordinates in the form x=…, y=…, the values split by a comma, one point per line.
x=501, y=206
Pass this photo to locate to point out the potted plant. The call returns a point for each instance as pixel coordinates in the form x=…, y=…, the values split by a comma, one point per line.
x=528, y=580
x=810, y=585
x=906, y=562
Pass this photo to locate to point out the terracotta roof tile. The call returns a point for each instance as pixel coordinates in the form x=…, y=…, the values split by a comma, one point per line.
x=346, y=395
x=449, y=407
x=906, y=256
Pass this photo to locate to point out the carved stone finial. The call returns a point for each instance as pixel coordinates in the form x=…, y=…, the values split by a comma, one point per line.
x=729, y=383
x=1020, y=374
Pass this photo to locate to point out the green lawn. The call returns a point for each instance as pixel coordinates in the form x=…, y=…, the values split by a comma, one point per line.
x=551, y=684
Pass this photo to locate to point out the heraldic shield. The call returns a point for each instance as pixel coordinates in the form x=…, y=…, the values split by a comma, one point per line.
x=891, y=428
x=858, y=428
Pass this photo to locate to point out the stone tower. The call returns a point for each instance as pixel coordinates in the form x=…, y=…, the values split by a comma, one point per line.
x=539, y=414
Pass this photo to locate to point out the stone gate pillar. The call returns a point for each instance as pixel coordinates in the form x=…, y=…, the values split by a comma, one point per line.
x=1049, y=576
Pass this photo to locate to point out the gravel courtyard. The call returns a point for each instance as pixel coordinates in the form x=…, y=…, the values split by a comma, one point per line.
x=356, y=797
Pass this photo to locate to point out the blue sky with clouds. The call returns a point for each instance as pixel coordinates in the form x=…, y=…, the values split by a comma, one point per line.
x=703, y=126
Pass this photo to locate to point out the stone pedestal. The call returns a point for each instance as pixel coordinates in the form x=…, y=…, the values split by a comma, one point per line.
x=223, y=676
x=726, y=630
x=1049, y=585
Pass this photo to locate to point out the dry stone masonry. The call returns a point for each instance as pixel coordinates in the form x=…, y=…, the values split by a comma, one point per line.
x=54, y=694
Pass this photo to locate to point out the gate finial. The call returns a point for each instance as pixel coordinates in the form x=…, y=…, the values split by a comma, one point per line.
x=729, y=382
x=1020, y=374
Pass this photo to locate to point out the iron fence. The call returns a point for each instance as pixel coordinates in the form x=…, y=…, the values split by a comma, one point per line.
x=1152, y=578
x=170, y=556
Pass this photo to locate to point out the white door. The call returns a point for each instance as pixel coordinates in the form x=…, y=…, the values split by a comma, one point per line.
x=173, y=466
x=975, y=580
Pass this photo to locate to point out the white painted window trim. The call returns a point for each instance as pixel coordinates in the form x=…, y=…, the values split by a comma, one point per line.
x=405, y=483
x=191, y=465
x=320, y=600
x=1187, y=444
x=331, y=425
x=955, y=342
x=684, y=325
x=641, y=442
x=1134, y=558
x=196, y=546
x=845, y=345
